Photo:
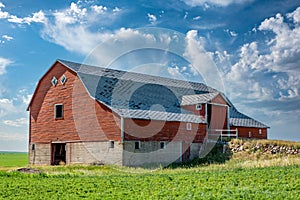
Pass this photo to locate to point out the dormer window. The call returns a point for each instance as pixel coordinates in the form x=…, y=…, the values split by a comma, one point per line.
x=199, y=106
x=63, y=79
x=54, y=81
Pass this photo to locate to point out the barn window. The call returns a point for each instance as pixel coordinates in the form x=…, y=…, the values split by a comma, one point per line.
x=199, y=106
x=137, y=145
x=250, y=134
x=162, y=145
x=58, y=111
x=54, y=81
x=189, y=126
x=112, y=144
x=259, y=131
x=33, y=147
x=63, y=79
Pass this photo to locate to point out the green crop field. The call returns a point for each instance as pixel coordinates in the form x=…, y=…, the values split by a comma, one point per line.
x=246, y=175
x=110, y=182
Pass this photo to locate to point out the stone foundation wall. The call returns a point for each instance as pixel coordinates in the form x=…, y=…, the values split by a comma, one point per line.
x=41, y=155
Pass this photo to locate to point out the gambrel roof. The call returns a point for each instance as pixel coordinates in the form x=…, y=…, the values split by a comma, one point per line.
x=150, y=97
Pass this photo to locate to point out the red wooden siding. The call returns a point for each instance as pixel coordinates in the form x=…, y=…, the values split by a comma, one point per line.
x=243, y=132
x=192, y=108
x=82, y=114
x=144, y=130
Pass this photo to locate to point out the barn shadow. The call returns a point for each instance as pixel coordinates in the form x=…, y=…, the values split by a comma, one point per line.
x=218, y=155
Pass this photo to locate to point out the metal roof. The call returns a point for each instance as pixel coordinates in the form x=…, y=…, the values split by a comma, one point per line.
x=240, y=119
x=141, y=96
x=198, y=98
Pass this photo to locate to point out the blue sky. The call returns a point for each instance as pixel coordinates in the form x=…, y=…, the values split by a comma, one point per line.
x=254, y=46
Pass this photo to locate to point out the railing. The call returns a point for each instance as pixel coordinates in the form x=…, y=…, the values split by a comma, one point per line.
x=225, y=132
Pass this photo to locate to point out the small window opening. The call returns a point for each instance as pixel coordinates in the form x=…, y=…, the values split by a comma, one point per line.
x=199, y=106
x=63, y=79
x=33, y=147
x=162, y=145
x=259, y=131
x=112, y=144
x=250, y=134
x=54, y=81
x=58, y=111
x=188, y=126
x=137, y=145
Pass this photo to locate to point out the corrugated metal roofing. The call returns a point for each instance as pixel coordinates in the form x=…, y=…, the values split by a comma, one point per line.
x=198, y=98
x=240, y=119
x=135, y=95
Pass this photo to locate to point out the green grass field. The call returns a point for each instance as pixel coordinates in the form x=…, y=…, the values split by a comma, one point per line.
x=13, y=159
x=244, y=176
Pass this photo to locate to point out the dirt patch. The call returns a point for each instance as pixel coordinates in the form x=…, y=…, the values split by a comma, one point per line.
x=29, y=170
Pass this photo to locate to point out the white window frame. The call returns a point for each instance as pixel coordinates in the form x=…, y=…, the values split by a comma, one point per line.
x=162, y=142
x=198, y=106
x=139, y=146
x=259, y=131
x=63, y=79
x=250, y=134
x=62, y=111
x=54, y=81
x=188, y=126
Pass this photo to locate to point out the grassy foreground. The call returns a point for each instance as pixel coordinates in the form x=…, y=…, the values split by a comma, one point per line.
x=246, y=175
x=281, y=182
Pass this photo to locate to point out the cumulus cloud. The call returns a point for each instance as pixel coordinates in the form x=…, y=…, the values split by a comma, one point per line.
x=201, y=61
x=38, y=17
x=221, y=3
x=4, y=63
x=8, y=38
x=3, y=15
x=71, y=27
x=6, y=107
x=152, y=18
x=176, y=71
x=270, y=70
x=16, y=123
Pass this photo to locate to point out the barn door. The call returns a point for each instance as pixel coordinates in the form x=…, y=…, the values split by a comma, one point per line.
x=58, y=153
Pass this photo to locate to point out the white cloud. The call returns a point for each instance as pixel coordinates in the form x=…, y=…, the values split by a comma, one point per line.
x=116, y=9
x=201, y=61
x=175, y=71
x=8, y=38
x=38, y=17
x=6, y=107
x=26, y=99
x=152, y=18
x=3, y=15
x=4, y=62
x=221, y=3
x=71, y=27
x=16, y=123
x=100, y=9
x=231, y=33
x=197, y=18
x=280, y=56
x=295, y=16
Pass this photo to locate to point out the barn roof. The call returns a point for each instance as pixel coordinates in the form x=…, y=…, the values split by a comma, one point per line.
x=135, y=95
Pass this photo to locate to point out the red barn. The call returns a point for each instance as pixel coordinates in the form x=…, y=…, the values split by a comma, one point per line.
x=87, y=114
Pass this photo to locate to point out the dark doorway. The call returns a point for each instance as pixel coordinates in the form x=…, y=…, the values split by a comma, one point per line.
x=58, y=153
x=209, y=110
